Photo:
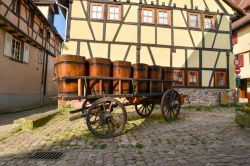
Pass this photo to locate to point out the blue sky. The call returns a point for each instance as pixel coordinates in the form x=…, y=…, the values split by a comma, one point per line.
x=59, y=23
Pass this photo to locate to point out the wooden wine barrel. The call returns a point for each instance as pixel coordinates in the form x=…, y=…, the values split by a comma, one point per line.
x=69, y=65
x=100, y=67
x=140, y=70
x=155, y=72
x=121, y=69
x=167, y=74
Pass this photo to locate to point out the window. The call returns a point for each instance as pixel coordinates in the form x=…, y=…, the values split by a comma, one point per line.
x=209, y=22
x=148, y=15
x=193, y=78
x=194, y=20
x=16, y=49
x=114, y=12
x=40, y=57
x=96, y=11
x=16, y=6
x=220, y=79
x=179, y=77
x=163, y=17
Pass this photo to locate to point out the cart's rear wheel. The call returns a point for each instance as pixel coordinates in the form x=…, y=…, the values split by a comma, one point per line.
x=170, y=105
x=145, y=109
x=106, y=118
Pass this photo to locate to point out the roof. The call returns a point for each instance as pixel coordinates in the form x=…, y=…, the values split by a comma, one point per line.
x=52, y=27
x=245, y=20
x=235, y=7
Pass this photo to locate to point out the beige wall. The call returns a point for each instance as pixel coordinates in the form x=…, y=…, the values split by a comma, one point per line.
x=19, y=78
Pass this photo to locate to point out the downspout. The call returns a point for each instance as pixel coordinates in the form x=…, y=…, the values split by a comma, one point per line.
x=44, y=78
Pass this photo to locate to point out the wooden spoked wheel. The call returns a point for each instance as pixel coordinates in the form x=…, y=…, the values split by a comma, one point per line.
x=144, y=110
x=170, y=104
x=106, y=118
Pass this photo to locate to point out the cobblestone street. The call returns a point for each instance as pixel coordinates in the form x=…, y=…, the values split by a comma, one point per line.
x=198, y=137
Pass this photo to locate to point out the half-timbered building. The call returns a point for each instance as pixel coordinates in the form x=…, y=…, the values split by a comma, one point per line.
x=241, y=41
x=193, y=37
x=28, y=44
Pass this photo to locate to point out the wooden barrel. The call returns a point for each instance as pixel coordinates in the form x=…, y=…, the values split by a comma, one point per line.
x=155, y=72
x=99, y=67
x=121, y=69
x=140, y=70
x=69, y=65
x=167, y=74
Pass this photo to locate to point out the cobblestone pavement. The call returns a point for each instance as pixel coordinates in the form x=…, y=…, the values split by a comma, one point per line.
x=199, y=137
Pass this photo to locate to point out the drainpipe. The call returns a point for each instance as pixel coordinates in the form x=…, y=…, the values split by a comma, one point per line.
x=44, y=78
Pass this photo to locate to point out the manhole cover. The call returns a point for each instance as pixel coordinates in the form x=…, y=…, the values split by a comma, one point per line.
x=46, y=155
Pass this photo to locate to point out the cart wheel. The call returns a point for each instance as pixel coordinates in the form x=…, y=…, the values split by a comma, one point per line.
x=144, y=110
x=170, y=105
x=106, y=118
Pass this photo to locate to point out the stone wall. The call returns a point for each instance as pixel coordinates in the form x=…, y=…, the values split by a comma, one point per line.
x=207, y=97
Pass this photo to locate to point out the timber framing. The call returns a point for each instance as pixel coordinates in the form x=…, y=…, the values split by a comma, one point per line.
x=140, y=44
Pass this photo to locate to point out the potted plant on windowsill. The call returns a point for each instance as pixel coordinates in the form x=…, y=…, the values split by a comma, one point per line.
x=242, y=116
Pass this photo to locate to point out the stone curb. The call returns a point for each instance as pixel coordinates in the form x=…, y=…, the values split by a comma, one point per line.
x=34, y=121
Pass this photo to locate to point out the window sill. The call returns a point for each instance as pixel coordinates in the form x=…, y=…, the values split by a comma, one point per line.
x=145, y=23
x=13, y=59
x=195, y=28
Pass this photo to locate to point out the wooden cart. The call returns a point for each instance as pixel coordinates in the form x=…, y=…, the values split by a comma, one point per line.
x=106, y=114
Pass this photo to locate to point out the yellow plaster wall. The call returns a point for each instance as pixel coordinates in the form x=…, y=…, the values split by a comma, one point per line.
x=224, y=26
x=232, y=83
x=77, y=10
x=145, y=37
x=193, y=58
x=200, y=3
x=145, y=56
x=132, y=55
x=97, y=29
x=118, y=51
x=111, y=30
x=182, y=38
x=99, y=50
x=206, y=75
x=209, y=38
x=213, y=6
x=197, y=37
x=222, y=61
x=179, y=58
x=182, y=3
x=128, y=33
x=222, y=41
x=209, y=58
x=84, y=51
x=245, y=71
x=70, y=47
x=132, y=14
x=80, y=30
x=161, y=56
x=180, y=21
x=164, y=36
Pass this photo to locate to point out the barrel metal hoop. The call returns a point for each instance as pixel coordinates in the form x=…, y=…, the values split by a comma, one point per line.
x=69, y=62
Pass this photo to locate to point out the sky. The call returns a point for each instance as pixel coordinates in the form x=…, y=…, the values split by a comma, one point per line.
x=59, y=23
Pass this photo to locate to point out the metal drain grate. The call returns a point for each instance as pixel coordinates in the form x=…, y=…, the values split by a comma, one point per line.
x=46, y=155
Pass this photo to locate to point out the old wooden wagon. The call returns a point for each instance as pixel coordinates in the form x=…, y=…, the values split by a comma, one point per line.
x=107, y=88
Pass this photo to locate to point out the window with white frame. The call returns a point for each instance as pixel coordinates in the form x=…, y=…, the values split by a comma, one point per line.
x=147, y=15
x=16, y=49
x=163, y=17
x=16, y=6
x=97, y=11
x=209, y=22
x=194, y=20
x=114, y=12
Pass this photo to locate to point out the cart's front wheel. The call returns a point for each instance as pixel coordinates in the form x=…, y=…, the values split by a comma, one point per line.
x=106, y=118
x=170, y=104
x=145, y=109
